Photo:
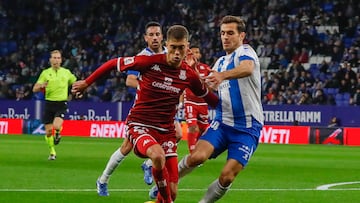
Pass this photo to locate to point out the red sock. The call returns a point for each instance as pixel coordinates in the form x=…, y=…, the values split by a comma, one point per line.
x=192, y=139
x=162, y=181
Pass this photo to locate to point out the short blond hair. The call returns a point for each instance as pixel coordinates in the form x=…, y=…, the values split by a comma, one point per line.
x=55, y=52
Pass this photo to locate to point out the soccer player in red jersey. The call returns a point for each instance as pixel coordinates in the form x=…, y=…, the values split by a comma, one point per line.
x=196, y=109
x=150, y=123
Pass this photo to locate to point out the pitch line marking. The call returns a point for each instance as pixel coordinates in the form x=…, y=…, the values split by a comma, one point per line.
x=187, y=190
x=328, y=186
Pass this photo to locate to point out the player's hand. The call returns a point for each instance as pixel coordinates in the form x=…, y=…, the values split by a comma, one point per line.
x=190, y=59
x=78, y=87
x=43, y=86
x=181, y=105
x=79, y=95
x=213, y=80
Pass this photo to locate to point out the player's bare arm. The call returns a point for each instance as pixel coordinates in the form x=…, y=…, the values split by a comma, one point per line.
x=132, y=81
x=244, y=69
x=39, y=86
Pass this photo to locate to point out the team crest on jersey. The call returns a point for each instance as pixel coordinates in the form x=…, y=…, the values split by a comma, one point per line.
x=128, y=60
x=156, y=68
x=182, y=75
x=168, y=81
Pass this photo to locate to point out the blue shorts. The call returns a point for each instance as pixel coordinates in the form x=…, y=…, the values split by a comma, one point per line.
x=241, y=144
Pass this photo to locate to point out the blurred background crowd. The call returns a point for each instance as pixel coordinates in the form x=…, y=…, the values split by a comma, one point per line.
x=309, y=50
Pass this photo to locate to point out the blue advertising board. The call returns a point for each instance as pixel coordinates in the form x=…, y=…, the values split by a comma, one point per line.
x=305, y=115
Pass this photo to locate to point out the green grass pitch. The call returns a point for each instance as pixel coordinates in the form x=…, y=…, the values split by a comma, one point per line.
x=275, y=174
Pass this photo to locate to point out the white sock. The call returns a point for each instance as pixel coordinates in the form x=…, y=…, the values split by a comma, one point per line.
x=111, y=165
x=148, y=162
x=183, y=168
x=215, y=192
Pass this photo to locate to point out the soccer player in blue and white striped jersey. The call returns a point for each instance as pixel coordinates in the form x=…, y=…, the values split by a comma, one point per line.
x=239, y=114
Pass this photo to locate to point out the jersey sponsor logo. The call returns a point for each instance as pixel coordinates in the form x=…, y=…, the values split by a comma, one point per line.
x=224, y=85
x=128, y=60
x=182, y=75
x=166, y=85
x=168, y=81
x=156, y=68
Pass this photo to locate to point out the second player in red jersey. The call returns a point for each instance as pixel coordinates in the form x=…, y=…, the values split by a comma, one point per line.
x=195, y=108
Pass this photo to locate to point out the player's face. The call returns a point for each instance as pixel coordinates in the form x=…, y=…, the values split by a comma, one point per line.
x=196, y=52
x=230, y=37
x=177, y=50
x=153, y=37
x=55, y=60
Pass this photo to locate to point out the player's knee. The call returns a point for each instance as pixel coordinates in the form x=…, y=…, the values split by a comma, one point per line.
x=193, y=129
x=125, y=148
x=225, y=181
x=227, y=177
x=57, y=127
x=157, y=156
x=173, y=191
x=178, y=135
x=49, y=132
x=196, y=159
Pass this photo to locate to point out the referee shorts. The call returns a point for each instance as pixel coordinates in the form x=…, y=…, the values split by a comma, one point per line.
x=54, y=109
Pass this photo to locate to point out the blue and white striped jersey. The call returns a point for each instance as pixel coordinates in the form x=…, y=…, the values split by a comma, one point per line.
x=148, y=52
x=240, y=99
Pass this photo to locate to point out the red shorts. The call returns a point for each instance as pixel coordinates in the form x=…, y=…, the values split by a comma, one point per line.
x=144, y=137
x=196, y=114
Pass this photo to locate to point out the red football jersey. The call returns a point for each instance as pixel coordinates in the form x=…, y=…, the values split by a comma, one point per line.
x=203, y=71
x=160, y=87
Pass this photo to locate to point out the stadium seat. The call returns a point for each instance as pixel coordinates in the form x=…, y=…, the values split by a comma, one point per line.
x=306, y=66
x=322, y=36
x=12, y=46
x=100, y=89
x=346, y=96
x=347, y=41
x=327, y=59
x=313, y=66
x=338, y=96
x=315, y=72
x=322, y=76
x=339, y=102
x=333, y=91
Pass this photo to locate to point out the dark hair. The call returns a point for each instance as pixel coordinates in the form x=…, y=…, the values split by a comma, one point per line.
x=194, y=46
x=234, y=19
x=152, y=24
x=177, y=32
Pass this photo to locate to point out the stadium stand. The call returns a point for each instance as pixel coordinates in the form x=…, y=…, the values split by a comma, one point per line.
x=91, y=32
